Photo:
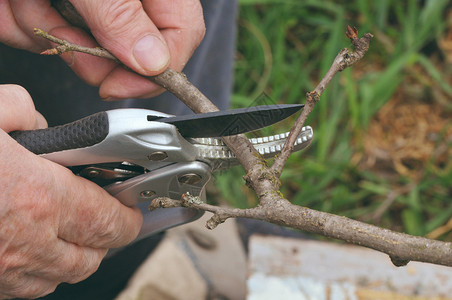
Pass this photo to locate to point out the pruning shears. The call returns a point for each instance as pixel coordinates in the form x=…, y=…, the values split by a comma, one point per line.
x=137, y=155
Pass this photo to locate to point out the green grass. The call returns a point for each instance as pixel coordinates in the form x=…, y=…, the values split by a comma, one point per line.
x=284, y=48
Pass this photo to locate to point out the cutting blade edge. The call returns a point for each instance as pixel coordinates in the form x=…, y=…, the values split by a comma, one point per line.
x=230, y=122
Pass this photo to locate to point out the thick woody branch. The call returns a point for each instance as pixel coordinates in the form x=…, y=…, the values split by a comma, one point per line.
x=400, y=247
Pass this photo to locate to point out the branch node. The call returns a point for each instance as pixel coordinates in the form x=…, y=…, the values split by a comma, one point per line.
x=248, y=181
x=351, y=33
x=163, y=202
x=313, y=96
x=187, y=199
x=399, y=262
x=52, y=51
x=38, y=32
x=214, y=221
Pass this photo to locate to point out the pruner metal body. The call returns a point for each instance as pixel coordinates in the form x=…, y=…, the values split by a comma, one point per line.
x=138, y=155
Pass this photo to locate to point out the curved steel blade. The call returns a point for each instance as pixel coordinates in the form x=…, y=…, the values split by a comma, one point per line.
x=230, y=122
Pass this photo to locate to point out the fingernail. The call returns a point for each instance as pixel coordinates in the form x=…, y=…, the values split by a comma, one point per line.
x=151, y=53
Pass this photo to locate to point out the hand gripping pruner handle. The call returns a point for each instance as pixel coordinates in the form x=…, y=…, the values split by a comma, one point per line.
x=170, y=163
x=167, y=159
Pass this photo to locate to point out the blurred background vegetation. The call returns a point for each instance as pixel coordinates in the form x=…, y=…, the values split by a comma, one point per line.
x=382, y=130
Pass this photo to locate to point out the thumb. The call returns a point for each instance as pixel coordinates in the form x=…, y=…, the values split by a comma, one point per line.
x=17, y=110
x=124, y=28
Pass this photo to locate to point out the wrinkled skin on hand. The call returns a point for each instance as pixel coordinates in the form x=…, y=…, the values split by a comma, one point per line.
x=148, y=36
x=54, y=226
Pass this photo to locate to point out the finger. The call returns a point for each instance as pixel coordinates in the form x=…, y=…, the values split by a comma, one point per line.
x=40, y=253
x=94, y=70
x=181, y=24
x=39, y=13
x=90, y=68
x=91, y=217
x=67, y=262
x=36, y=13
x=77, y=263
x=10, y=32
x=18, y=111
x=29, y=287
x=121, y=83
x=123, y=28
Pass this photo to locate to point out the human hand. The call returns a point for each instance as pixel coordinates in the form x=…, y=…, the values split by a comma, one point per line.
x=54, y=226
x=148, y=36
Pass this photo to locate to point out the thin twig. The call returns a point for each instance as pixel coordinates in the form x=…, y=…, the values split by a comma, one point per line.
x=344, y=59
x=65, y=46
x=221, y=214
x=176, y=82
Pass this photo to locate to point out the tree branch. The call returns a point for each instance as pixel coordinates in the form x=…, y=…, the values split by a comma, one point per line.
x=400, y=247
x=265, y=180
x=344, y=59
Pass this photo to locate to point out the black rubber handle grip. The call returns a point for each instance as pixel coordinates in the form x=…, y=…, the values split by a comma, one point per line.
x=82, y=133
